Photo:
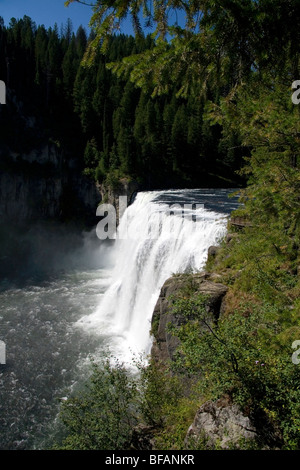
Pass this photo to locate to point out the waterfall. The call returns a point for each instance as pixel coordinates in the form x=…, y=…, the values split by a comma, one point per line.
x=154, y=241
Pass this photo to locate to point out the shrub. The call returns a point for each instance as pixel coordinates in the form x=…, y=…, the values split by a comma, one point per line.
x=103, y=415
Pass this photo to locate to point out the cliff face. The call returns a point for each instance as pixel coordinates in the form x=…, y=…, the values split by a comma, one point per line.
x=41, y=176
x=124, y=187
x=165, y=344
x=42, y=185
x=220, y=424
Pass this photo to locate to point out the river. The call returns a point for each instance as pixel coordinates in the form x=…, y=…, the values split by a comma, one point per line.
x=76, y=301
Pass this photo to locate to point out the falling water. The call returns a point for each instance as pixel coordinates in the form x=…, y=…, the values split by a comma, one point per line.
x=160, y=234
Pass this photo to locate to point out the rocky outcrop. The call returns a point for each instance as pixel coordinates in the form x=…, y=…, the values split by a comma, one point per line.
x=143, y=437
x=213, y=251
x=240, y=222
x=221, y=425
x=165, y=344
x=124, y=187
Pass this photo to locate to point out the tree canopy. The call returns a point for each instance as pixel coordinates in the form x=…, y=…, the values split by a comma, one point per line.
x=108, y=125
x=200, y=41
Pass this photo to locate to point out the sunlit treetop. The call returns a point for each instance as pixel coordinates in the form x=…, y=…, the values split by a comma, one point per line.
x=197, y=41
x=160, y=15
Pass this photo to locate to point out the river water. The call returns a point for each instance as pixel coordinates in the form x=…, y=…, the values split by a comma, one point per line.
x=75, y=301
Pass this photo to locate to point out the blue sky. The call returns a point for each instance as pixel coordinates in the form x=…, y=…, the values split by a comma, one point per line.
x=47, y=12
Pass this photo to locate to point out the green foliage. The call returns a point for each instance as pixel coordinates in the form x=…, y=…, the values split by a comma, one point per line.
x=91, y=155
x=247, y=355
x=262, y=260
x=167, y=404
x=103, y=415
x=220, y=42
x=160, y=391
x=223, y=52
x=268, y=124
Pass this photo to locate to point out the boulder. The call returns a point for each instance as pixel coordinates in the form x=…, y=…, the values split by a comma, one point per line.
x=222, y=425
x=142, y=437
x=213, y=251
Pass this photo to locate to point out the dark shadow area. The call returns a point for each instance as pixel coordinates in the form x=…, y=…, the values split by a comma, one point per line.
x=37, y=253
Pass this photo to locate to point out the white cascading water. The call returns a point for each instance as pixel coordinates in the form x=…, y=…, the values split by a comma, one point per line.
x=151, y=246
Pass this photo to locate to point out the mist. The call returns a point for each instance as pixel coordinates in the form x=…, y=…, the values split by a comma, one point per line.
x=44, y=250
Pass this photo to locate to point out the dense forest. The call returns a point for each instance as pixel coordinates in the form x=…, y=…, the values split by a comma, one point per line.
x=112, y=127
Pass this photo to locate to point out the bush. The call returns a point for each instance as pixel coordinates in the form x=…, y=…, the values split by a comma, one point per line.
x=103, y=415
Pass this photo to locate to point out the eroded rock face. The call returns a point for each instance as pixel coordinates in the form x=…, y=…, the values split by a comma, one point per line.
x=124, y=187
x=143, y=438
x=222, y=425
x=165, y=344
x=42, y=185
x=213, y=251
